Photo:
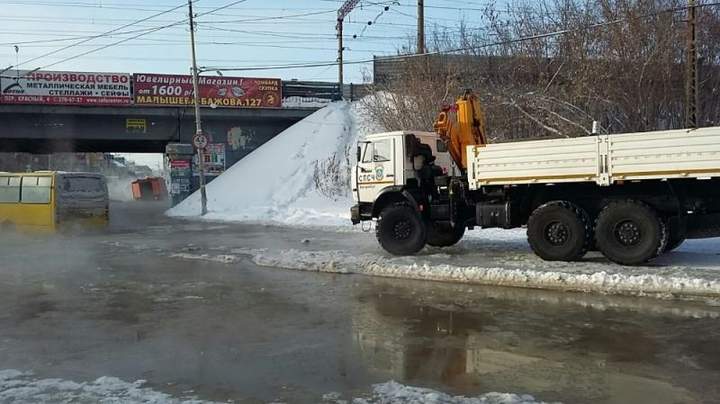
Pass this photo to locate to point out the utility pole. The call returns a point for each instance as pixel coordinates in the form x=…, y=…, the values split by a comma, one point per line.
x=343, y=11
x=339, y=28
x=421, y=26
x=691, y=70
x=198, y=122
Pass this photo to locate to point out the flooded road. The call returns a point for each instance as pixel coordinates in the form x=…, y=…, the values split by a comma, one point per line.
x=124, y=304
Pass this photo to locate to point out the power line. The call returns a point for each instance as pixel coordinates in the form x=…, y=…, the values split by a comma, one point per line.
x=277, y=17
x=285, y=34
x=456, y=50
x=99, y=35
x=133, y=37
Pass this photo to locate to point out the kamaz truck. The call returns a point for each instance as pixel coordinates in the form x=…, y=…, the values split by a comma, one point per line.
x=632, y=196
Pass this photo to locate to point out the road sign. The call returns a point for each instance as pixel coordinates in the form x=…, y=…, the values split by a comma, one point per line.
x=200, y=141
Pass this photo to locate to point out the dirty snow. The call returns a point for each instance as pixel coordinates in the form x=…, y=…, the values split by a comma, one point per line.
x=23, y=388
x=289, y=180
x=502, y=258
x=396, y=393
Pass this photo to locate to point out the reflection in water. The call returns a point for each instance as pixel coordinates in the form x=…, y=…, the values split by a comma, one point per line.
x=525, y=341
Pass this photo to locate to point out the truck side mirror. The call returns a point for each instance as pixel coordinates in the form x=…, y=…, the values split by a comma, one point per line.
x=359, y=153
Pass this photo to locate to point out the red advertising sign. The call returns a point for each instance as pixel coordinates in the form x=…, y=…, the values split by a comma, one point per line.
x=179, y=164
x=63, y=88
x=215, y=91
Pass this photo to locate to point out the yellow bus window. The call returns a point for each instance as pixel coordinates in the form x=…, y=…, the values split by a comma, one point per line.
x=31, y=192
x=9, y=189
x=45, y=181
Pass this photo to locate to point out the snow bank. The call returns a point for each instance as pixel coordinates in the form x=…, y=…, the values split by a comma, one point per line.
x=506, y=261
x=396, y=393
x=22, y=387
x=612, y=279
x=299, y=177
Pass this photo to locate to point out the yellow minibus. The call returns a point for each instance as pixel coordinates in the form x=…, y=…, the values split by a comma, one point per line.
x=50, y=201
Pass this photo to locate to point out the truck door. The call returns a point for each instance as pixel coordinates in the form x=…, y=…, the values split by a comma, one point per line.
x=376, y=169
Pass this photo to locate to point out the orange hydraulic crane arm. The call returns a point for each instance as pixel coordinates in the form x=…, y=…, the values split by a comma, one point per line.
x=462, y=126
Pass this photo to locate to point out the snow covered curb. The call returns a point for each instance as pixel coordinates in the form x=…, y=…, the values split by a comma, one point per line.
x=396, y=393
x=611, y=279
x=602, y=281
x=22, y=387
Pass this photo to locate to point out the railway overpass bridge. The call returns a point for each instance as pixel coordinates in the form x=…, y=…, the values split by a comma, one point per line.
x=45, y=129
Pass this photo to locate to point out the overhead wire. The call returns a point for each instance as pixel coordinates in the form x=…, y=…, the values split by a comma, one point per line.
x=24, y=62
x=470, y=48
x=132, y=37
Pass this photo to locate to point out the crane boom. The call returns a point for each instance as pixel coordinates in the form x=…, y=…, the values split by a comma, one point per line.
x=461, y=126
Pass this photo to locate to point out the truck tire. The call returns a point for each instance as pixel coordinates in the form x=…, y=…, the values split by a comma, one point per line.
x=400, y=230
x=630, y=232
x=443, y=234
x=559, y=231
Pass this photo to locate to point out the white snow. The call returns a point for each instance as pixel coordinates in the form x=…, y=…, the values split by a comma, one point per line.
x=501, y=258
x=286, y=180
x=586, y=277
x=396, y=393
x=22, y=388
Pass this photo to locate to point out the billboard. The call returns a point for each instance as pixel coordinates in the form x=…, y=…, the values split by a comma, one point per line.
x=214, y=91
x=64, y=88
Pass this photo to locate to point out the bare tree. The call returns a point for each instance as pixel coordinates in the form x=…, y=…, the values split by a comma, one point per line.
x=618, y=62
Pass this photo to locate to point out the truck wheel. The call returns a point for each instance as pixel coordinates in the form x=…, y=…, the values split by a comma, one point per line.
x=630, y=232
x=443, y=234
x=559, y=231
x=400, y=230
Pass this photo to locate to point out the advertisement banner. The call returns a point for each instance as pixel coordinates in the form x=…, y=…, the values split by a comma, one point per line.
x=214, y=91
x=65, y=88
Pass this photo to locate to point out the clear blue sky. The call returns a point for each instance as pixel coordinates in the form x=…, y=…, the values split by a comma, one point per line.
x=239, y=36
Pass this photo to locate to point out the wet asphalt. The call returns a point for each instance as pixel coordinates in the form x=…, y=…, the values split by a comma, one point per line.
x=119, y=304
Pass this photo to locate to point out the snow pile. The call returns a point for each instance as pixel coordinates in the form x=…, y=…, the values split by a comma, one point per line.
x=21, y=387
x=396, y=393
x=506, y=261
x=299, y=177
x=584, y=277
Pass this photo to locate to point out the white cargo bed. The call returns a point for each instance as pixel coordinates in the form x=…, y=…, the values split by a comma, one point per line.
x=603, y=159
